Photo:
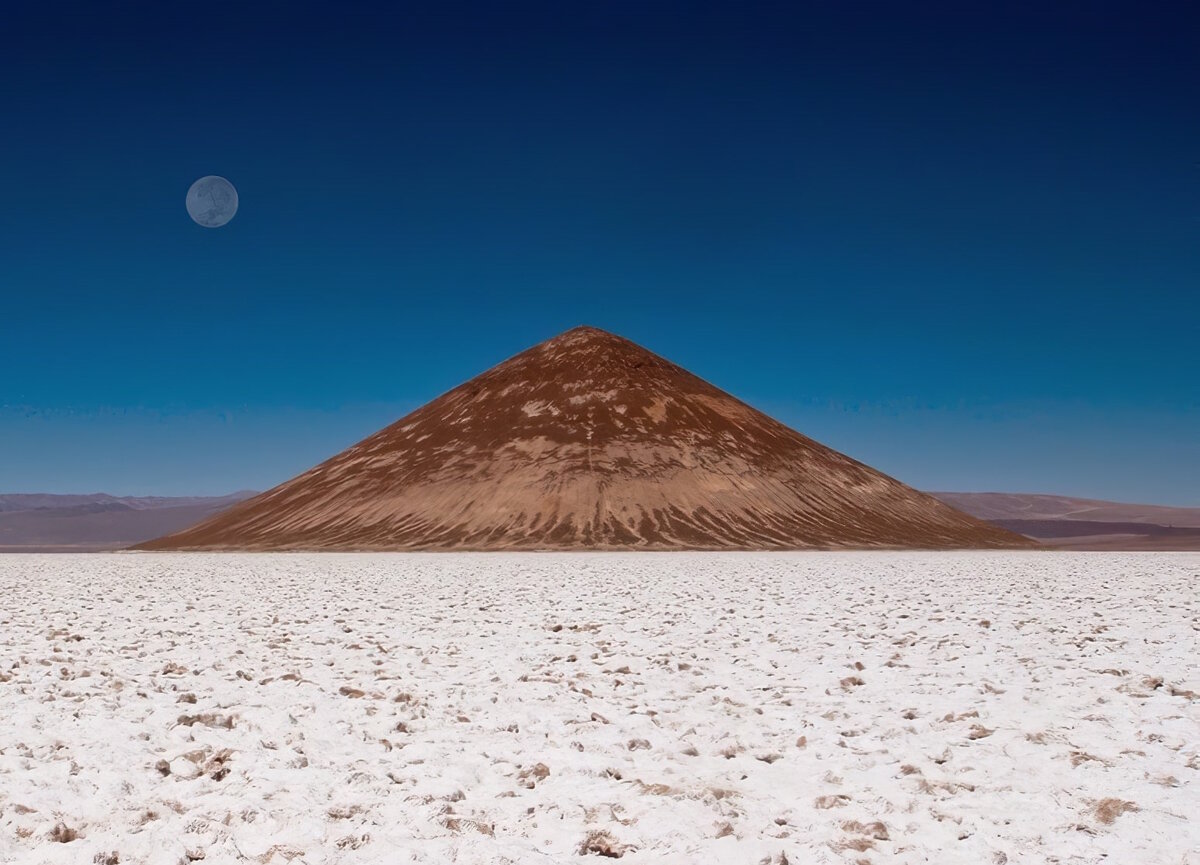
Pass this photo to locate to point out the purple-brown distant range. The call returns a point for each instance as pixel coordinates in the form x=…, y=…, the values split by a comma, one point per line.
x=1064, y=522
x=588, y=441
x=38, y=522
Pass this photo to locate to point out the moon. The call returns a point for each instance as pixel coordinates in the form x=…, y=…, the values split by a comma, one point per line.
x=212, y=201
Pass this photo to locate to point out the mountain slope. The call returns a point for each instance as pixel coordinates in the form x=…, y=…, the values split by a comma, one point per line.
x=588, y=441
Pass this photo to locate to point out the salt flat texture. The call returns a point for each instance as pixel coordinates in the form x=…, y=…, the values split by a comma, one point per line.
x=667, y=708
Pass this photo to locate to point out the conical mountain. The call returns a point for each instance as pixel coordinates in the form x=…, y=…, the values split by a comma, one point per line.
x=588, y=441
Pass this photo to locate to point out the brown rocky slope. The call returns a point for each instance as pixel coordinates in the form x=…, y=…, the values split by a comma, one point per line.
x=588, y=441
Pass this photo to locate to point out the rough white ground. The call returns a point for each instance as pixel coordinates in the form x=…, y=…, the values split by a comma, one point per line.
x=685, y=708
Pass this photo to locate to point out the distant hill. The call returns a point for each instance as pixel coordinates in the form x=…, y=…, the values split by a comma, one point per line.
x=1028, y=506
x=55, y=501
x=44, y=522
x=1073, y=523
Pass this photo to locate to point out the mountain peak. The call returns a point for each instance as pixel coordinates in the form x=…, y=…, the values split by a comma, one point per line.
x=589, y=332
x=585, y=339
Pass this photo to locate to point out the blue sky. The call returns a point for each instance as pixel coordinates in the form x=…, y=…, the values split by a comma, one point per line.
x=962, y=245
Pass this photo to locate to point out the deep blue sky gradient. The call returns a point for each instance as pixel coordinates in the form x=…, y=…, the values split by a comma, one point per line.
x=960, y=244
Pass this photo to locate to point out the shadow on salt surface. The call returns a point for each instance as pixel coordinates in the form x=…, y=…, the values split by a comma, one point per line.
x=852, y=707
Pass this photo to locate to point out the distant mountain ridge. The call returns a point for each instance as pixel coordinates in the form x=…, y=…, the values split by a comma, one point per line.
x=1030, y=506
x=1074, y=523
x=47, y=522
x=57, y=501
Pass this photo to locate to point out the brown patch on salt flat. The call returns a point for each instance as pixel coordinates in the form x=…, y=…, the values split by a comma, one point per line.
x=874, y=829
x=601, y=843
x=529, y=777
x=1108, y=810
x=63, y=834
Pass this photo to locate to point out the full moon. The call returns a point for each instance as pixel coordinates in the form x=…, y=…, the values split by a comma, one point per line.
x=212, y=201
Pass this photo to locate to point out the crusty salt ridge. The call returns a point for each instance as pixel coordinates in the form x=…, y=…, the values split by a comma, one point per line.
x=588, y=441
x=718, y=708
